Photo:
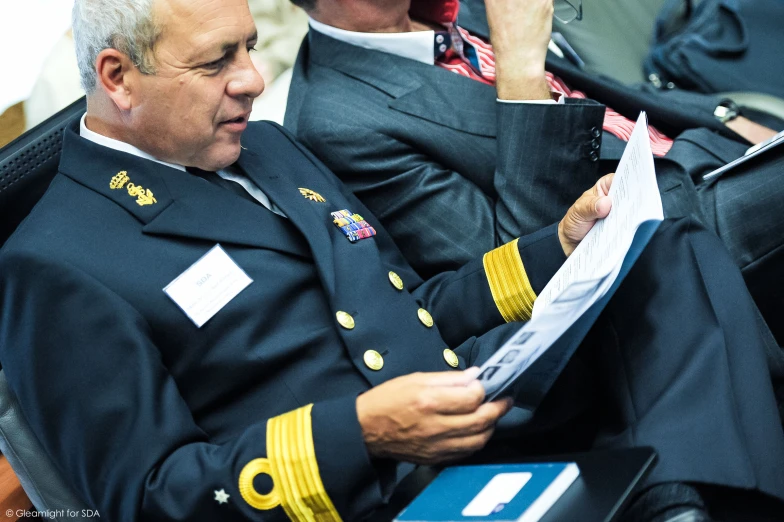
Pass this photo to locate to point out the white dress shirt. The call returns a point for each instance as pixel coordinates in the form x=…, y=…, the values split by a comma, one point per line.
x=414, y=45
x=230, y=173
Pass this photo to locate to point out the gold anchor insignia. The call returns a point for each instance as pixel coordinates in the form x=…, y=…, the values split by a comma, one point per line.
x=312, y=195
x=144, y=196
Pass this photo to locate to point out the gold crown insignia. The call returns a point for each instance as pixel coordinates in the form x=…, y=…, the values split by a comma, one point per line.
x=312, y=195
x=119, y=180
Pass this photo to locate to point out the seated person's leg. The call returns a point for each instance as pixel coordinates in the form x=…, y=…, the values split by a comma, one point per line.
x=747, y=205
x=677, y=362
x=682, y=350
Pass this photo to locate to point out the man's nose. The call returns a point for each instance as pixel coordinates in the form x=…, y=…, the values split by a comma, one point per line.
x=247, y=81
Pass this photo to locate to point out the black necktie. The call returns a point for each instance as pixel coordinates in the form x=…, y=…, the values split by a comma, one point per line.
x=215, y=179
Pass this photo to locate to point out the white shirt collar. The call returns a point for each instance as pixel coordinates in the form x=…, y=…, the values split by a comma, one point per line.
x=229, y=173
x=415, y=45
x=111, y=143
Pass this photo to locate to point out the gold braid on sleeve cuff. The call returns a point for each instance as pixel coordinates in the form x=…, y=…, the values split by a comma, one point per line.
x=509, y=284
x=291, y=463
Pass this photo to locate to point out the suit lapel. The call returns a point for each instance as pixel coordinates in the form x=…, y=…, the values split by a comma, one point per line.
x=421, y=90
x=281, y=176
x=184, y=205
x=438, y=100
x=205, y=211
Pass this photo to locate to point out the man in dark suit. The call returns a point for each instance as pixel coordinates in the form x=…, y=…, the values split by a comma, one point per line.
x=194, y=333
x=452, y=168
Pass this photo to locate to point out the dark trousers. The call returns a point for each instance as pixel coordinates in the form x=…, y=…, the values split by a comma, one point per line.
x=676, y=362
x=742, y=206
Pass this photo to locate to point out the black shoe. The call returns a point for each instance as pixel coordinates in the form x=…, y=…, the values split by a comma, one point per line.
x=690, y=515
x=667, y=502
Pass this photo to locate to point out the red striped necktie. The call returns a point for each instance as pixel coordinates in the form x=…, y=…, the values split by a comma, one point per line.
x=471, y=56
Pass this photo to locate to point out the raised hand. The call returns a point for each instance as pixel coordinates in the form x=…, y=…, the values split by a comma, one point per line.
x=520, y=31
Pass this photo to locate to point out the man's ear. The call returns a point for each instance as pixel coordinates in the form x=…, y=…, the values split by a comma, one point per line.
x=115, y=71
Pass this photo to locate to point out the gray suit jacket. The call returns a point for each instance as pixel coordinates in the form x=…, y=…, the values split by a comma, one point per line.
x=450, y=171
x=428, y=149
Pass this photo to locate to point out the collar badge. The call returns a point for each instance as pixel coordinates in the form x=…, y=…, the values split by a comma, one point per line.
x=144, y=196
x=312, y=195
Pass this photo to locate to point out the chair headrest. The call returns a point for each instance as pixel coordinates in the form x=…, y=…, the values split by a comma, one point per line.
x=27, y=166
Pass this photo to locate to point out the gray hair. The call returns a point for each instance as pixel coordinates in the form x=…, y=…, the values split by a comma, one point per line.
x=125, y=25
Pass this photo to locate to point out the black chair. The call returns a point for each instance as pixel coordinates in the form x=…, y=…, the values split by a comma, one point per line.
x=27, y=166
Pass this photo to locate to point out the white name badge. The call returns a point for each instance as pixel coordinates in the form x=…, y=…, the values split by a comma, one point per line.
x=208, y=285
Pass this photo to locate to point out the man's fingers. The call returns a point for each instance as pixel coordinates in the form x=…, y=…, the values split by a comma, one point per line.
x=496, y=409
x=449, y=378
x=464, y=446
x=602, y=207
x=454, y=400
x=584, y=210
x=594, y=203
x=603, y=185
x=602, y=204
x=478, y=421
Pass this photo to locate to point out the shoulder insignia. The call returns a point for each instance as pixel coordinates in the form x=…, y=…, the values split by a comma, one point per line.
x=312, y=195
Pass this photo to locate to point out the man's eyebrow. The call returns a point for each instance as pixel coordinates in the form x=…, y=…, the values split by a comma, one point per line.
x=230, y=46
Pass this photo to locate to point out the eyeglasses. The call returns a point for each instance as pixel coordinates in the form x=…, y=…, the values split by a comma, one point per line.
x=567, y=11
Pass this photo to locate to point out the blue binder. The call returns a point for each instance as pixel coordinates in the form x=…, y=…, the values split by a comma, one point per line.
x=505, y=492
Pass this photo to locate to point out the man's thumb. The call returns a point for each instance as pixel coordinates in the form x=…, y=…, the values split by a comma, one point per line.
x=602, y=206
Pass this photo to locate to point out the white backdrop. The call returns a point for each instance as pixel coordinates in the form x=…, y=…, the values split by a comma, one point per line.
x=29, y=30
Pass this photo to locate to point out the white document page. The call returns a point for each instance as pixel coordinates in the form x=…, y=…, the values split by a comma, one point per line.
x=590, y=271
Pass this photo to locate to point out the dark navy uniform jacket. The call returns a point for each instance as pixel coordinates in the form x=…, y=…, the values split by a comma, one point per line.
x=152, y=418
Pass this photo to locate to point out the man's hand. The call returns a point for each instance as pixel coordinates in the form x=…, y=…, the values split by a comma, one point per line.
x=579, y=219
x=520, y=31
x=754, y=133
x=428, y=418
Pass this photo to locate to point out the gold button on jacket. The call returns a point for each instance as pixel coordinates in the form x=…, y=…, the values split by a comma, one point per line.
x=396, y=281
x=425, y=317
x=373, y=360
x=451, y=358
x=345, y=320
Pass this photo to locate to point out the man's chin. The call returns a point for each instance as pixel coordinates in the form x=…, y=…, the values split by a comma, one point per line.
x=228, y=155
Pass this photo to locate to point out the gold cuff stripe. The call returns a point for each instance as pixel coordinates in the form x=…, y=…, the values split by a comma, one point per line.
x=509, y=284
x=295, y=472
